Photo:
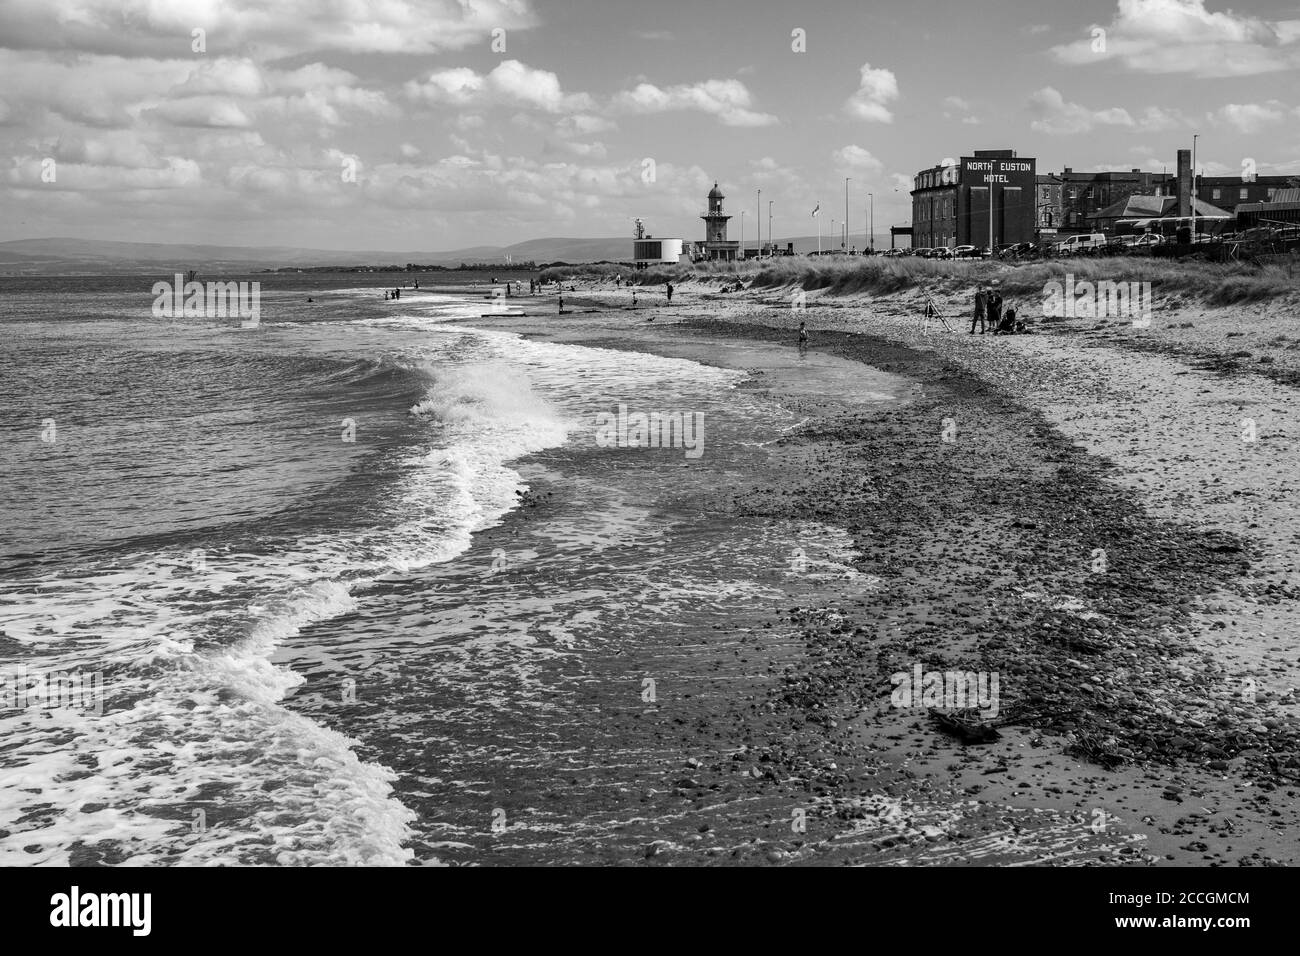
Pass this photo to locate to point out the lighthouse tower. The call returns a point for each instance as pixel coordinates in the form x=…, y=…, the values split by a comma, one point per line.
x=716, y=245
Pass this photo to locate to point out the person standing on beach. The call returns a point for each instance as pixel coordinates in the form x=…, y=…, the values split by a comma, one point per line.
x=981, y=306
x=561, y=300
x=994, y=309
x=670, y=293
x=803, y=335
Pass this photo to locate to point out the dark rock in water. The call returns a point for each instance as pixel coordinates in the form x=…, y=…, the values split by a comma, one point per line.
x=965, y=729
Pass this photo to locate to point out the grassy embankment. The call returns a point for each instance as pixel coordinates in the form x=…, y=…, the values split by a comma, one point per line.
x=1213, y=283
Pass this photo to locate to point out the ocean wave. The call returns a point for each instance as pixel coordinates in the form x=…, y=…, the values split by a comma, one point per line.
x=193, y=703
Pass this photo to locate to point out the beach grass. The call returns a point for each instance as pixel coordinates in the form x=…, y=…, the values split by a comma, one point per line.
x=1215, y=283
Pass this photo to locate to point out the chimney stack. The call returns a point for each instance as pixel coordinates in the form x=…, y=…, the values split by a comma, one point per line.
x=1184, y=183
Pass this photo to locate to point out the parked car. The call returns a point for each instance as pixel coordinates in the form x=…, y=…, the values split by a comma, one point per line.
x=965, y=252
x=942, y=252
x=1015, y=250
x=1084, y=242
x=890, y=253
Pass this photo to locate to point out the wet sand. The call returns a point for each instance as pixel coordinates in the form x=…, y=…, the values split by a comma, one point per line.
x=1151, y=708
x=1060, y=540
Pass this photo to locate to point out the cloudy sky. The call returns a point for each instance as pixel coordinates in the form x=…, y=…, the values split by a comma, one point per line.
x=436, y=124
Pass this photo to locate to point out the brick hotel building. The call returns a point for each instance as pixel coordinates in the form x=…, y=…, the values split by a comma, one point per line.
x=992, y=193
x=950, y=204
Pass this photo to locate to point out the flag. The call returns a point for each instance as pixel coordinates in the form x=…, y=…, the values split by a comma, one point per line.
x=815, y=208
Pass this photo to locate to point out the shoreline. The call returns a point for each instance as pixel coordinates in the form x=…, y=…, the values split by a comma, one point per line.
x=1179, y=789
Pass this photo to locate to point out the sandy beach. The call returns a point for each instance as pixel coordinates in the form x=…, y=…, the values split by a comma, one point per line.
x=1074, y=511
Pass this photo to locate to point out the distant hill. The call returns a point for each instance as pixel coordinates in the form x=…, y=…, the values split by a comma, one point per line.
x=56, y=255
x=62, y=254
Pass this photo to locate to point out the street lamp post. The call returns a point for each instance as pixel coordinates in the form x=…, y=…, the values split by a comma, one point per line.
x=758, y=223
x=845, y=244
x=1195, y=137
x=871, y=222
x=769, y=226
x=742, y=234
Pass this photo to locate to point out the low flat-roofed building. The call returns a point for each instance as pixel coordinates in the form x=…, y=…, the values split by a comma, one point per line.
x=1282, y=210
x=1143, y=213
x=651, y=251
x=1228, y=192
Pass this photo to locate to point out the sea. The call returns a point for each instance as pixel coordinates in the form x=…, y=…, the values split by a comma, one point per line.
x=341, y=588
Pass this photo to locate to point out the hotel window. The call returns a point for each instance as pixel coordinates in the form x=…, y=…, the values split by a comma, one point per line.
x=1245, y=193
x=1217, y=192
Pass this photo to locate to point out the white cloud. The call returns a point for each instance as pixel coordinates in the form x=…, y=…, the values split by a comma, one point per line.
x=212, y=111
x=584, y=124
x=1182, y=36
x=1053, y=114
x=280, y=29
x=766, y=170
x=875, y=89
x=585, y=150
x=856, y=158
x=510, y=83
x=109, y=91
x=1157, y=118
x=954, y=107
x=728, y=100
x=1251, y=117
x=173, y=172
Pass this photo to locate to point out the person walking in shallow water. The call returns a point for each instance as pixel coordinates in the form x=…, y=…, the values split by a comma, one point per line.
x=803, y=335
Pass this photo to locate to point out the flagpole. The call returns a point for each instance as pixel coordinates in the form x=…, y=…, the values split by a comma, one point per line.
x=819, y=229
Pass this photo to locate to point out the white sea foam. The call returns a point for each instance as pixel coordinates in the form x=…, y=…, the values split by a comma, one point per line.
x=195, y=721
x=196, y=758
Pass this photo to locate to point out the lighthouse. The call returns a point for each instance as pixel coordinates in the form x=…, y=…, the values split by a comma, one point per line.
x=716, y=245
